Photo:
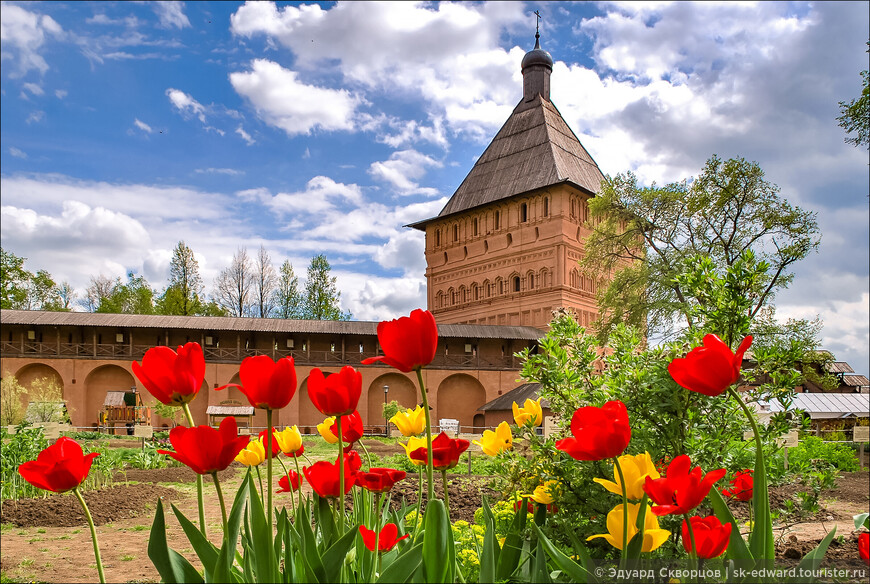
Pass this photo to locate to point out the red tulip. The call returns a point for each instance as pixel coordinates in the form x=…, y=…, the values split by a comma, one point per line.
x=336, y=395
x=61, y=467
x=710, y=369
x=289, y=482
x=323, y=477
x=711, y=536
x=276, y=448
x=864, y=547
x=268, y=384
x=682, y=489
x=173, y=378
x=445, y=452
x=598, y=433
x=351, y=427
x=408, y=342
x=386, y=539
x=743, y=484
x=379, y=480
x=204, y=449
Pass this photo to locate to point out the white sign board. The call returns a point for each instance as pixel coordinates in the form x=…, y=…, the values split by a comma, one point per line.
x=549, y=426
x=861, y=434
x=449, y=425
x=748, y=435
x=790, y=440
x=143, y=431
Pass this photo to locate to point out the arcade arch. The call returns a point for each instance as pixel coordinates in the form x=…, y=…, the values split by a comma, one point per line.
x=459, y=396
x=401, y=390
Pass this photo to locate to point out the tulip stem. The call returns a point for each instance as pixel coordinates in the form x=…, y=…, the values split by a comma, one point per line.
x=692, y=547
x=340, y=463
x=200, y=503
x=269, y=439
x=260, y=478
x=429, y=468
x=624, y=507
x=299, y=478
x=446, y=496
x=377, y=559
x=220, y=494
x=90, y=519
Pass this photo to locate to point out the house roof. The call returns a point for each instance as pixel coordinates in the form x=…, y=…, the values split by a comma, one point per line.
x=824, y=405
x=856, y=380
x=270, y=325
x=518, y=394
x=534, y=149
x=839, y=367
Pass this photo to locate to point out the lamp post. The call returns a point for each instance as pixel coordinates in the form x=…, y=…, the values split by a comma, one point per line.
x=386, y=422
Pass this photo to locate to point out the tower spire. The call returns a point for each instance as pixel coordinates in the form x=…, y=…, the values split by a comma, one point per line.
x=536, y=67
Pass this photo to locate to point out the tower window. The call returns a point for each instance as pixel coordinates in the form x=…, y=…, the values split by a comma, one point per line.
x=474, y=226
x=546, y=206
x=437, y=237
x=516, y=283
x=524, y=213
x=455, y=232
x=498, y=220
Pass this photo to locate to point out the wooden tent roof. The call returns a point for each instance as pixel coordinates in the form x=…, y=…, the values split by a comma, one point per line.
x=534, y=149
x=114, y=399
x=518, y=394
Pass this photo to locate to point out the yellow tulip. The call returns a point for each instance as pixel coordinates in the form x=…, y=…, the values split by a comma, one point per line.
x=325, y=429
x=410, y=422
x=653, y=536
x=253, y=454
x=531, y=411
x=412, y=445
x=635, y=469
x=289, y=440
x=494, y=442
x=544, y=493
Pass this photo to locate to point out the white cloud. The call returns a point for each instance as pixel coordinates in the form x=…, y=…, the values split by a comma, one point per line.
x=227, y=171
x=245, y=136
x=447, y=54
x=22, y=34
x=17, y=153
x=281, y=100
x=61, y=93
x=185, y=104
x=405, y=251
x=403, y=169
x=407, y=132
x=142, y=126
x=378, y=298
x=171, y=14
x=35, y=117
x=321, y=194
x=33, y=88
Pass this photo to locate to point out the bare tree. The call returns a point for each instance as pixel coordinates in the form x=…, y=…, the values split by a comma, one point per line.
x=97, y=292
x=233, y=285
x=265, y=283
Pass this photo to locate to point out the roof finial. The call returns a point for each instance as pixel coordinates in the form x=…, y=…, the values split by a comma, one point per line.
x=537, y=29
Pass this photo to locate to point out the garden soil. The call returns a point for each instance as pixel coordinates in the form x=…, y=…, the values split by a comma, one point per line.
x=47, y=539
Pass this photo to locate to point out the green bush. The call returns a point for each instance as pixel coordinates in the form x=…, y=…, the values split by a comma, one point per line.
x=840, y=456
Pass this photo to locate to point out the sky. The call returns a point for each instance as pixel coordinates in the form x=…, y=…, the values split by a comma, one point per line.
x=313, y=128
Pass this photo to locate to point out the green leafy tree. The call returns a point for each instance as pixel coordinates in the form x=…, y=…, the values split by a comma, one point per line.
x=288, y=300
x=855, y=115
x=46, y=401
x=13, y=280
x=643, y=237
x=184, y=293
x=321, y=293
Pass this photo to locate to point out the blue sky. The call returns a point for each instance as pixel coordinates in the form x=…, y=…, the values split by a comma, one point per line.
x=324, y=128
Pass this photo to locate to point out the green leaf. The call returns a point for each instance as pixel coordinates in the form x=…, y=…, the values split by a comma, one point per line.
x=811, y=562
x=438, y=548
x=403, y=568
x=737, y=549
x=761, y=542
x=333, y=558
x=635, y=544
x=262, y=546
x=862, y=520
x=574, y=571
x=512, y=549
x=206, y=551
x=325, y=520
x=490, y=551
x=310, y=555
x=171, y=565
x=223, y=570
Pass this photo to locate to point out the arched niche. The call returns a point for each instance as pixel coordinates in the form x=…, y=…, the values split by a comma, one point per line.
x=100, y=381
x=401, y=390
x=458, y=397
x=37, y=372
x=309, y=416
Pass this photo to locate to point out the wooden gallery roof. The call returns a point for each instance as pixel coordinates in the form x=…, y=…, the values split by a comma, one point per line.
x=269, y=325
